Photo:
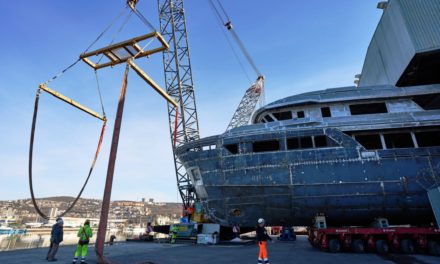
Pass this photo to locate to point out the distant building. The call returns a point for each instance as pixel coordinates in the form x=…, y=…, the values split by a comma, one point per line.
x=10, y=213
x=127, y=204
x=147, y=211
x=163, y=220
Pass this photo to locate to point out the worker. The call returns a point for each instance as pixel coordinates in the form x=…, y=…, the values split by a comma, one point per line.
x=148, y=235
x=112, y=239
x=149, y=229
x=56, y=237
x=174, y=230
x=262, y=238
x=84, y=234
x=190, y=212
x=236, y=230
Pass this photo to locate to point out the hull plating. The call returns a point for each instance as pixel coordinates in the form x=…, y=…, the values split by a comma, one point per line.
x=349, y=184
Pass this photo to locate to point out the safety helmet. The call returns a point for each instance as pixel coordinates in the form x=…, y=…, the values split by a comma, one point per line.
x=261, y=221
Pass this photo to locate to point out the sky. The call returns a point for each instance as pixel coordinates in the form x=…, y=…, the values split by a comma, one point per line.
x=299, y=46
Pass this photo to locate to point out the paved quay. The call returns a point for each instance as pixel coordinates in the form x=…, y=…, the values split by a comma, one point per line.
x=299, y=252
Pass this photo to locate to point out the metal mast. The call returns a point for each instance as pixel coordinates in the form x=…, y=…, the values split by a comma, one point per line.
x=179, y=85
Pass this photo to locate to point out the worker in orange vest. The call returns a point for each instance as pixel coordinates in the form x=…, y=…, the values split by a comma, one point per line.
x=190, y=212
x=262, y=238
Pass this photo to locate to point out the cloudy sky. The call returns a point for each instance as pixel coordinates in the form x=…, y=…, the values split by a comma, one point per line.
x=299, y=46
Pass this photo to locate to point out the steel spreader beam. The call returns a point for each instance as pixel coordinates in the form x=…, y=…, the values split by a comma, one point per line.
x=71, y=102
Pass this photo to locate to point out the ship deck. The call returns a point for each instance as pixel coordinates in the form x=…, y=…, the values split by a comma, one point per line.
x=298, y=252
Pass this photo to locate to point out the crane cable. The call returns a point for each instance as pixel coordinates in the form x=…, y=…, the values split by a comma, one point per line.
x=229, y=41
x=226, y=21
x=34, y=119
x=111, y=42
x=88, y=48
x=124, y=23
x=143, y=19
x=148, y=24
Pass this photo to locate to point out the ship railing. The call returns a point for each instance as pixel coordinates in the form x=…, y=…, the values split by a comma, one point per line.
x=205, y=144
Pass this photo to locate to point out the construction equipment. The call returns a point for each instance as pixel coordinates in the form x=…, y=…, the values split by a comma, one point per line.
x=247, y=105
x=379, y=237
x=255, y=93
x=124, y=52
x=45, y=88
x=113, y=54
x=179, y=92
x=179, y=86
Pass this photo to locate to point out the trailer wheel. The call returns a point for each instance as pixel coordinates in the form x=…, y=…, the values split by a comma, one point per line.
x=382, y=246
x=433, y=248
x=334, y=246
x=358, y=246
x=407, y=246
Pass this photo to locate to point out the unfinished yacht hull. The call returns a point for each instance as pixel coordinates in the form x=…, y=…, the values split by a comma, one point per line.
x=352, y=153
x=349, y=184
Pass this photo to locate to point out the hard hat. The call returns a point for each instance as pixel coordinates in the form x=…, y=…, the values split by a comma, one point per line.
x=261, y=221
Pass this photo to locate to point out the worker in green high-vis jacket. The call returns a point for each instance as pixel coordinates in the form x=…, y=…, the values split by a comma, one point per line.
x=84, y=234
x=173, y=232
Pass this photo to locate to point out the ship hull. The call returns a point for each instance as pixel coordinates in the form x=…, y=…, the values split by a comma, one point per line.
x=350, y=185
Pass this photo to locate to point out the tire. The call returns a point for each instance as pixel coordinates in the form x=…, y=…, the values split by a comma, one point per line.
x=334, y=246
x=433, y=248
x=358, y=246
x=382, y=247
x=407, y=246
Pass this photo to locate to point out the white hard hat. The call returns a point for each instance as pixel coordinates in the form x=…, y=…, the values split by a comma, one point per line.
x=261, y=221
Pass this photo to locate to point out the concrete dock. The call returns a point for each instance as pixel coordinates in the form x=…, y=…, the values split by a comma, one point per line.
x=299, y=252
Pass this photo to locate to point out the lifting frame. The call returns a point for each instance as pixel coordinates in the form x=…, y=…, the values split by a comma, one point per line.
x=125, y=51
x=128, y=51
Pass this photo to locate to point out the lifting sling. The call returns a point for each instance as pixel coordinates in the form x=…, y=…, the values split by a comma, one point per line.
x=34, y=121
x=43, y=87
x=126, y=51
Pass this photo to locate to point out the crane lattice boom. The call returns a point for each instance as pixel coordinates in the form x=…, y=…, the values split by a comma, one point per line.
x=179, y=85
x=247, y=104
